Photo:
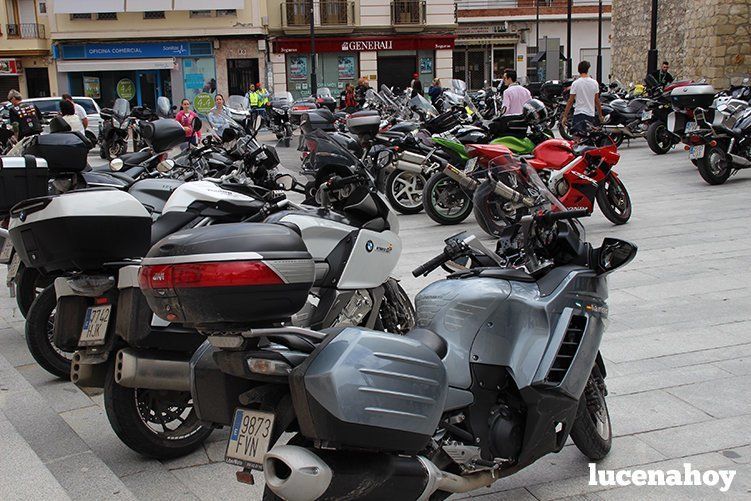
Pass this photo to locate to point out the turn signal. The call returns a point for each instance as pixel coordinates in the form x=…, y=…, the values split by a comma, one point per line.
x=687, y=148
x=713, y=143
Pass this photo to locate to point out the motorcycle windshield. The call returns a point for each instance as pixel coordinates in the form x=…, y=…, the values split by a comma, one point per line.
x=238, y=103
x=470, y=106
x=282, y=100
x=121, y=107
x=523, y=179
x=319, y=141
x=324, y=92
x=423, y=104
x=163, y=107
x=456, y=86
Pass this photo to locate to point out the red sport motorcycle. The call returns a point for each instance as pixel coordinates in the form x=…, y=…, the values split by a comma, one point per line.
x=579, y=174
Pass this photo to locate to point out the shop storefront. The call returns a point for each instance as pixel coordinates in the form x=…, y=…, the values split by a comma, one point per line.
x=341, y=60
x=139, y=71
x=483, y=52
x=10, y=70
x=240, y=63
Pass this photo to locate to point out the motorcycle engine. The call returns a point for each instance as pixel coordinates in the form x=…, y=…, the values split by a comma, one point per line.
x=560, y=188
x=356, y=310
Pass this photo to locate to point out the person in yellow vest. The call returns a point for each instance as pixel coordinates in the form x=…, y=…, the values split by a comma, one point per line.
x=258, y=99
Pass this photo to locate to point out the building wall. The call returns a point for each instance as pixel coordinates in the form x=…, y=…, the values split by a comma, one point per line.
x=700, y=38
x=237, y=48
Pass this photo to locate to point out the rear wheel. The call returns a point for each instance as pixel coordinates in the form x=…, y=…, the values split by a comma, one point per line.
x=565, y=129
x=40, y=323
x=658, y=138
x=29, y=283
x=444, y=200
x=404, y=191
x=614, y=201
x=592, y=433
x=713, y=166
x=156, y=423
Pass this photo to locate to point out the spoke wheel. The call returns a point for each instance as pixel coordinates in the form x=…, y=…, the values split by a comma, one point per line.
x=404, y=191
x=40, y=328
x=444, y=200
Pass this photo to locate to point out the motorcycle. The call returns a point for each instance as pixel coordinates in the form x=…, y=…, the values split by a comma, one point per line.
x=451, y=406
x=113, y=134
x=279, y=117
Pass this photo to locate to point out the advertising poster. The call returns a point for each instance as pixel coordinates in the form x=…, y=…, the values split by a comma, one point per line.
x=92, y=87
x=346, y=68
x=126, y=89
x=298, y=68
x=426, y=65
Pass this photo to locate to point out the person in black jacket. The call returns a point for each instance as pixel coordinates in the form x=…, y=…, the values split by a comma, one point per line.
x=416, y=85
x=26, y=119
x=662, y=75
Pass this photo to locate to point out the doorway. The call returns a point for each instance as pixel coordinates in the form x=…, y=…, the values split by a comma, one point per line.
x=147, y=88
x=396, y=71
x=241, y=75
x=476, y=73
x=37, y=82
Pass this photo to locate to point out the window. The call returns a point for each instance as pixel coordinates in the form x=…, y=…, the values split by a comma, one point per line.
x=80, y=17
x=42, y=7
x=226, y=12
x=106, y=16
x=200, y=13
x=154, y=14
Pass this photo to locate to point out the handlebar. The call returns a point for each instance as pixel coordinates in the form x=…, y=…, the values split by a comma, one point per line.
x=337, y=183
x=426, y=268
x=549, y=217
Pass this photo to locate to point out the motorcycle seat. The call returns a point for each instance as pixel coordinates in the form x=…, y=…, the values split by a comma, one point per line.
x=135, y=158
x=324, y=113
x=430, y=339
x=169, y=223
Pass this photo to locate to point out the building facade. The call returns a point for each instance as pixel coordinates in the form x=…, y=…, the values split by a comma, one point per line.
x=699, y=38
x=385, y=41
x=493, y=35
x=25, y=62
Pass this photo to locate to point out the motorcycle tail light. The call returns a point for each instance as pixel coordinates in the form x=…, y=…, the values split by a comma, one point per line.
x=213, y=274
x=695, y=139
x=713, y=143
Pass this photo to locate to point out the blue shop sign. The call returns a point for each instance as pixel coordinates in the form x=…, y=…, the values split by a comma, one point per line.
x=133, y=50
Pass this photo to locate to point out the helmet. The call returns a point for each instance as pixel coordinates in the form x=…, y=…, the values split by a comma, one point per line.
x=534, y=111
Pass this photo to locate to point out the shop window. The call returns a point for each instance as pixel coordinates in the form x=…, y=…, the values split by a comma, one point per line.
x=154, y=14
x=226, y=13
x=106, y=16
x=80, y=17
x=200, y=13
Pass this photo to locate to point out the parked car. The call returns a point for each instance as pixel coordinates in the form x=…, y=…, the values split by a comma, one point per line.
x=50, y=106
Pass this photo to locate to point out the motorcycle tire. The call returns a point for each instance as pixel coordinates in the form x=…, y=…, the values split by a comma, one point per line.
x=617, y=138
x=605, y=199
x=592, y=432
x=657, y=143
x=29, y=283
x=408, y=183
x=131, y=410
x=563, y=129
x=713, y=166
x=396, y=314
x=432, y=206
x=40, y=322
x=116, y=148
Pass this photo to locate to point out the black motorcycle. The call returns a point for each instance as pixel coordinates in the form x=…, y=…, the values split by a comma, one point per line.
x=278, y=113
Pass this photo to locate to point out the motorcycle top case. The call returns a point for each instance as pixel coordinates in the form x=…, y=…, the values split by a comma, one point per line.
x=364, y=123
x=80, y=230
x=693, y=96
x=164, y=134
x=63, y=151
x=368, y=389
x=226, y=276
x=21, y=178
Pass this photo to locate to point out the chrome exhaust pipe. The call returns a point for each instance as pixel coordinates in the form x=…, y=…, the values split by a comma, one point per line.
x=409, y=167
x=738, y=161
x=620, y=128
x=298, y=474
x=151, y=371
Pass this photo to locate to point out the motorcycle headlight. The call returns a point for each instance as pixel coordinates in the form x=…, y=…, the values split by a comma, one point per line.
x=384, y=158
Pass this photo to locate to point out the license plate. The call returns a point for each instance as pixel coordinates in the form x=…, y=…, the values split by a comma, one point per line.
x=6, y=252
x=95, y=325
x=250, y=438
x=647, y=115
x=13, y=269
x=696, y=152
x=691, y=126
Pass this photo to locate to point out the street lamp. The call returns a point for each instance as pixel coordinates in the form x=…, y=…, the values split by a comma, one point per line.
x=652, y=55
x=313, y=77
x=569, y=9
x=599, y=41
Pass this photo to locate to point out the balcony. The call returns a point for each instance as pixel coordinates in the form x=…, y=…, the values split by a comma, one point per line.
x=408, y=12
x=29, y=31
x=327, y=14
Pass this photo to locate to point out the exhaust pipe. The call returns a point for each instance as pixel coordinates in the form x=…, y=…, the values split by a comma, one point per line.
x=151, y=371
x=299, y=474
x=738, y=161
x=409, y=167
x=622, y=129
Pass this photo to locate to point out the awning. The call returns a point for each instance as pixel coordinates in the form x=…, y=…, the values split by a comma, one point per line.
x=165, y=63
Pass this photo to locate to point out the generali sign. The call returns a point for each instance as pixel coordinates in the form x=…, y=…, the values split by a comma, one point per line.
x=341, y=44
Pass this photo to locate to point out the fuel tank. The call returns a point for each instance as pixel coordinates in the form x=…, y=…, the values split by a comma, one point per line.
x=554, y=153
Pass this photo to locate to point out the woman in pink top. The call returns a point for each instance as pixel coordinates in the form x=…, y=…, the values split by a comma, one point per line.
x=186, y=117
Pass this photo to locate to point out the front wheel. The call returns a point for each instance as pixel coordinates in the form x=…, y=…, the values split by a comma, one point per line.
x=404, y=191
x=713, y=166
x=658, y=138
x=444, y=200
x=116, y=148
x=40, y=324
x=592, y=433
x=565, y=128
x=157, y=423
x=614, y=201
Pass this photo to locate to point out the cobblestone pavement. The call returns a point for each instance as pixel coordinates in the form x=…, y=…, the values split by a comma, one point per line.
x=678, y=355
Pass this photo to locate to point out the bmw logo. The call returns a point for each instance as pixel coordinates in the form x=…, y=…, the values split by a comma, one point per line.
x=369, y=246
x=22, y=217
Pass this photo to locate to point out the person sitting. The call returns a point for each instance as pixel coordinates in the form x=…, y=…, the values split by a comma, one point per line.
x=68, y=113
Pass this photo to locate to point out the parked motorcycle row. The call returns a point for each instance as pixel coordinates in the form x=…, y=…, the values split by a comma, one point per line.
x=197, y=295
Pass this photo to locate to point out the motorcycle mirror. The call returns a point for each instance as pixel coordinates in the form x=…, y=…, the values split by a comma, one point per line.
x=165, y=166
x=116, y=165
x=286, y=181
x=229, y=134
x=613, y=254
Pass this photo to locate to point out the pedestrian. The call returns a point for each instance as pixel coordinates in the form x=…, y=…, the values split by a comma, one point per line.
x=350, y=103
x=187, y=118
x=23, y=117
x=515, y=95
x=585, y=99
x=80, y=111
x=362, y=88
x=68, y=113
x=662, y=75
x=435, y=90
x=217, y=116
x=416, y=85
x=259, y=99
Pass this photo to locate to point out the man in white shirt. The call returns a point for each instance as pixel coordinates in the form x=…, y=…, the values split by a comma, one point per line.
x=80, y=112
x=515, y=95
x=585, y=98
